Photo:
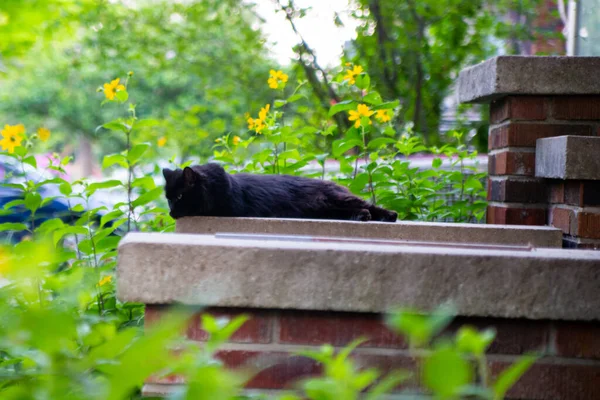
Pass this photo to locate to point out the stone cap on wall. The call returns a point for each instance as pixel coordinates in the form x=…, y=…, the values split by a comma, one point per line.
x=204, y=270
x=401, y=230
x=568, y=157
x=529, y=75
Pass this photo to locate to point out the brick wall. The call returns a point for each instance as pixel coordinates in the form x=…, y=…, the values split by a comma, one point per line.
x=516, y=196
x=570, y=368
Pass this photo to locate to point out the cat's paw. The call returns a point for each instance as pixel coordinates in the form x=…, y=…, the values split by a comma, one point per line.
x=363, y=215
x=391, y=216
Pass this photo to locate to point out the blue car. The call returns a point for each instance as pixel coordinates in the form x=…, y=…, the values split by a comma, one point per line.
x=57, y=207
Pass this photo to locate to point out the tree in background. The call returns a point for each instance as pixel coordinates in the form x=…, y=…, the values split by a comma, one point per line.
x=414, y=50
x=199, y=66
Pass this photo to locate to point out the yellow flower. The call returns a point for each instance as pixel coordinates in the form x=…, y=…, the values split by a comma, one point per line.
x=383, y=115
x=258, y=124
x=43, y=134
x=236, y=140
x=275, y=77
x=351, y=74
x=262, y=115
x=12, y=136
x=111, y=89
x=161, y=142
x=361, y=111
x=105, y=280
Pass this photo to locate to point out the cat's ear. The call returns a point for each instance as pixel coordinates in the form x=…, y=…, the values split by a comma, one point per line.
x=190, y=177
x=168, y=173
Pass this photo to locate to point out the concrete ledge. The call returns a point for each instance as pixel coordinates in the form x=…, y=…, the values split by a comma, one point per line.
x=518, y=75
x=203, y=270
x=414, y=231
x=568, y=157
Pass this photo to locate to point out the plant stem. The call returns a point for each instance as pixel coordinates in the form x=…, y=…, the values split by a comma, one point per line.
x=129, y=176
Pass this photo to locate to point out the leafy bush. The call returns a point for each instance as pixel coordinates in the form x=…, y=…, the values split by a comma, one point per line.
x=64, y=334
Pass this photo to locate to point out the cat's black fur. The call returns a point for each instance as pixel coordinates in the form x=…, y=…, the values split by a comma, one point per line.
x=207, y=190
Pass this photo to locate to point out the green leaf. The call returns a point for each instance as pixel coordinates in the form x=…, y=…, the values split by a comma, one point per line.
x=137, y=152
x=341, y=146
x=110, y=216
x=31, y=161
x=12, y=226
x=145, y=182
x=373, y=98
x=418, y=327
x=295, y=97
x=147, y=197
x=122, y=96
x=14, y=203
x=51, y=225
x=388, y=105
x=342, y=106
x=78, y=208
x=18, y=186
x=33, y=201
x=92, y=188
x=279, y=103
x=445, y=372
x=117, y=125
x=436, y=163
x=113, y=159
x=511, y=375
x=108, y=243
x=387, y=384
x=65, y=189
x=380, y=142
x=469, y=340
x=363, y=81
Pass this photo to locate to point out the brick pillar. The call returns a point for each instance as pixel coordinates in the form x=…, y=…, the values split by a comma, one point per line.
x=571, y=166
x=530, y=98
x=516, y=196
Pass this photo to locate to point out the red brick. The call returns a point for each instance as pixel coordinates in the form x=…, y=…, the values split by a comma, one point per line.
x=515, y=215
x=337, y=329
x=258, y=329
x=272, y=370
x=582, y=193
x=518, y=191
x=525, y=135
x=513, y=336
x=528, y=108
x=557, y=193
x=588, y=225
x=512, y=163
x=553, y=379
x=154, y=313
x=576, y=108
x=562, y=218
x=578, y=339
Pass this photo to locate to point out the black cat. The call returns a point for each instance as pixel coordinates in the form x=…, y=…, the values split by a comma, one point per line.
x=207, y=190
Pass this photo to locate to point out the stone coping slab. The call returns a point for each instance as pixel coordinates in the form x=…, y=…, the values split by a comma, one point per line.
x=156, y=268
x=404, y=230
x=568, y=157
x=529, y=75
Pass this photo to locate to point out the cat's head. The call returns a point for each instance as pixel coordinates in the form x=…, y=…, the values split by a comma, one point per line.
x=185, y=192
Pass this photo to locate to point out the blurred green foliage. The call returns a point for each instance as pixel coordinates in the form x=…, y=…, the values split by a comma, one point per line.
x=201, y=66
